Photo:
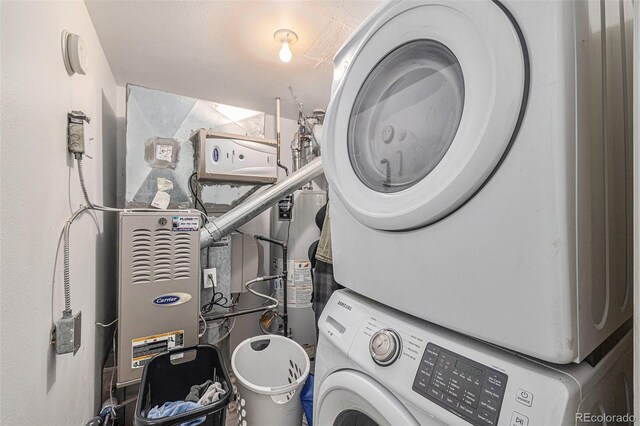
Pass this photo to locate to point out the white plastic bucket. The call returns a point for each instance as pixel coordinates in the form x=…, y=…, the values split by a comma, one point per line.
x=270, y=370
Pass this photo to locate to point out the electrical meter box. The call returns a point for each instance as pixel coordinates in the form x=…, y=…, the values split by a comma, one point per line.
x=159, y=287
x=224, y=157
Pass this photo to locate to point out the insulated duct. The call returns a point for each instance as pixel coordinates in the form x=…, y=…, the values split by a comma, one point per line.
x=219, y=227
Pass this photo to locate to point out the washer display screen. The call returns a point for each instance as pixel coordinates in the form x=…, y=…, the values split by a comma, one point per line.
x=467, y=369
x=405, y=116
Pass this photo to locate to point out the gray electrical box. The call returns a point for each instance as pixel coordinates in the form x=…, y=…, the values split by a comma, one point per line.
x=159, y=287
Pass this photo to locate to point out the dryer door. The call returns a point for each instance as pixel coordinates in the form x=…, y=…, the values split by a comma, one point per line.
x=426, y=110
x=350, y=398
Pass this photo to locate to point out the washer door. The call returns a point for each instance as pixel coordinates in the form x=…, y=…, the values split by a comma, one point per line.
x=350, y=398
x=426, y=110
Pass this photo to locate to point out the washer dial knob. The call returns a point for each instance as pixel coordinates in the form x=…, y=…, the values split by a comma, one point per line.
x=385, y=347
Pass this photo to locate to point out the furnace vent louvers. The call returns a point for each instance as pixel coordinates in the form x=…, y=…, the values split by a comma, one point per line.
x=162, y=249
x=141, y=259
x=163, y=257
x=182, y=251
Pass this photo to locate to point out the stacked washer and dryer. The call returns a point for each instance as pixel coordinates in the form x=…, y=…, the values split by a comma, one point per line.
x=478, y=155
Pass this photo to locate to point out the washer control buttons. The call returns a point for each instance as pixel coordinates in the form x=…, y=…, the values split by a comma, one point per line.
x=524, y=397
x=463, y=386
x=385, y=347
x=518, y=419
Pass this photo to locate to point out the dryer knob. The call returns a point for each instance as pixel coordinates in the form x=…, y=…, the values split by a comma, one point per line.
x=385, y=347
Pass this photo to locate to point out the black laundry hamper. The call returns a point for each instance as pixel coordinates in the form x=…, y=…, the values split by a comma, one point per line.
x=168, y=377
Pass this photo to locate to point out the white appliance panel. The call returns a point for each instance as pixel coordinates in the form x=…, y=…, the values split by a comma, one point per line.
x=535, y=243
x=223, y=157
x=510, y=387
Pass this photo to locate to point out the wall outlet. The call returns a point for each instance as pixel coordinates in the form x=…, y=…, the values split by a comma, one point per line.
x=210, y=278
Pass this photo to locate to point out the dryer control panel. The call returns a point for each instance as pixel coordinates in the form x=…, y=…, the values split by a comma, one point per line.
x=466, y=388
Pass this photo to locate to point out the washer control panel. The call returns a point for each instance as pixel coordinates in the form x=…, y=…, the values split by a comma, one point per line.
x=466, y=388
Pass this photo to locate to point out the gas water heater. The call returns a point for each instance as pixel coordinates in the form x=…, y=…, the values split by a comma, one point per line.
x=293, y=218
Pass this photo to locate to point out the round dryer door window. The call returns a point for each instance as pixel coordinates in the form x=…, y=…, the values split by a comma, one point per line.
x=428, y=103
x=406, y=116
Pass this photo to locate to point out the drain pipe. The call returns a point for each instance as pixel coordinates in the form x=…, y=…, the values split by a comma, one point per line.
x=219, y=227
x=283, y=278
x=282, y=166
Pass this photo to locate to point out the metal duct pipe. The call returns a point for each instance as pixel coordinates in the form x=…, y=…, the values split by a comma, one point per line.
x=221, y=226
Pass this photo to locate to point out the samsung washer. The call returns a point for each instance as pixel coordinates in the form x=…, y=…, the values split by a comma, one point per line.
x=432, y=376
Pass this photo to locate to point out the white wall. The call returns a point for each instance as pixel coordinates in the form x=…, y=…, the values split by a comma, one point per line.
x=39, y=187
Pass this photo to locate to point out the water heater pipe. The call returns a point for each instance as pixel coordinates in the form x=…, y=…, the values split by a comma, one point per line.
x=219, y=227
x=283, y=278
x=282, y=166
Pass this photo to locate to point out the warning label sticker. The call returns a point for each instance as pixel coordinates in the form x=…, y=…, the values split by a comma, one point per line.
x=185, y=223
x=301, y=272
x=299, y=284
x=144, y=348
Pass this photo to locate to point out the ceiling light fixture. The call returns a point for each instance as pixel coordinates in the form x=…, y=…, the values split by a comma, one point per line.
x=286, y=38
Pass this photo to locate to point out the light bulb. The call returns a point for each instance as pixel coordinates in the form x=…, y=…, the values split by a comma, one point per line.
x=285, y=52
x=285, y=38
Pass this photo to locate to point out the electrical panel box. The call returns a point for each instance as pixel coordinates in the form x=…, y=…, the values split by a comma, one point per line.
x=159, y=287
x=224, y=157
x=245, y=261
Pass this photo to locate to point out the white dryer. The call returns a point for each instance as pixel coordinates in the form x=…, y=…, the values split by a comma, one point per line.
x=376, y=366
x=479, y=161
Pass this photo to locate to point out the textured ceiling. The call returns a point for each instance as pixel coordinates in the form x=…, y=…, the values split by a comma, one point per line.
x=224, y=51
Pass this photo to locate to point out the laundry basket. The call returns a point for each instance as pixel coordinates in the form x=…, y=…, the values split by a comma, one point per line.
x=168, y=377
x=270, y=371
